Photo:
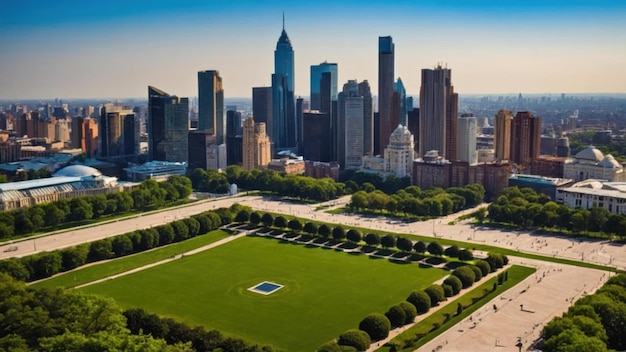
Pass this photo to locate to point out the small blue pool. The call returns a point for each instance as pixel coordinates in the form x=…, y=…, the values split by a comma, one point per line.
x=266, y=288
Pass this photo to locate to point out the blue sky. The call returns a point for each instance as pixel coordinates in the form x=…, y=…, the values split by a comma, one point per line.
x=76, y=49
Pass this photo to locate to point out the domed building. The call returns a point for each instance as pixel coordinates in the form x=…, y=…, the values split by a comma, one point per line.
x=400, y=152
x=590, y=163
x=68, y=182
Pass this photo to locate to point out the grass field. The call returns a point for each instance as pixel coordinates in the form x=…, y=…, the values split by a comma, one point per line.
x=325, y=292
x=120, y=265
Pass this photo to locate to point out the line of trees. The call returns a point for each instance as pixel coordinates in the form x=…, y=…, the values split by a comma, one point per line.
x=45, y=264
x=413, y=201
x=377, y=326
x=526, y=208
x=147, y=196
x=594, y=323
x=60, y=320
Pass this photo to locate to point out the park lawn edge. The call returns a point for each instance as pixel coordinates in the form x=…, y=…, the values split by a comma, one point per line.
x=517, y=273
x=102, y=269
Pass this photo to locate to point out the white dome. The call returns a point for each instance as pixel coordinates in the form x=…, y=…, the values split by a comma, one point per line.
x=609, y=162
x=590, y=153
x=78, y=171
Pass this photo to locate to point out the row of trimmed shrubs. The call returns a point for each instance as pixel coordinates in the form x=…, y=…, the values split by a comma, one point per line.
x=377, y=326
x=45, y=264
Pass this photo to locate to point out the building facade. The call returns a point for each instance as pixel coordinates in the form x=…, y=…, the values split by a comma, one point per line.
x=211, y=114
x=502, y=135
x=168, y=126
x=466, y=139
x=256, y=145
x=525, y=138
x=400, y=153
x=590, y=163
x=595, y=193
x=386, y=76
x=284, y=129
x=438, y=113
x=316, y=87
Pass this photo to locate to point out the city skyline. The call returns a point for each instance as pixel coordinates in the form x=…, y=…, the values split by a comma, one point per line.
x=115, y=50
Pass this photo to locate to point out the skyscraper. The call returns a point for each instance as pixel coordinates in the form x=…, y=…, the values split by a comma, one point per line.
x=385, y=92
x=466, y=139
x=354, y=121
x=438, y=113
x=262, y=105
x=284, y=111
x=117, y=132
x=502, y=135
x=168, y=126
x=316, y=78
x=525, y=137
x=256, y=145
x=211, y=114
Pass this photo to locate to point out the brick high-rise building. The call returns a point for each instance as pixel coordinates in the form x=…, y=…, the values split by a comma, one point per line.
x=525, y=138
x=502, y=134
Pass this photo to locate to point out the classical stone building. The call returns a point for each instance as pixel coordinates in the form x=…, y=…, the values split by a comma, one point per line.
x=400, y=152
x=595, y=193
x=256, y=145
x=590, y=163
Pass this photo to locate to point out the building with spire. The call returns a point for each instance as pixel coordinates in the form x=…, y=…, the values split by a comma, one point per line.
x=168, y=126
x=284, y=128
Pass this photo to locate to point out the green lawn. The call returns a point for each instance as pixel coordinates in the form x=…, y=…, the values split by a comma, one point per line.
x=120, y=265
x=325, y=292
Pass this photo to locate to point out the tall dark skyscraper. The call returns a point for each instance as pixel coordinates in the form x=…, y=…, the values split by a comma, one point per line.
x=525, y=137
x=211, y=114
x=119, y=132
x=385, y=93
x=283, y=132
x=168, y=126
x=438, y=113
x=316, y=87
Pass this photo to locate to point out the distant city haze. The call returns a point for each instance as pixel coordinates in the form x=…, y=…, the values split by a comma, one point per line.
x=115, y=49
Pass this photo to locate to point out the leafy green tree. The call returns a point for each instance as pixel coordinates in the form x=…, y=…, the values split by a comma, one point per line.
x=478, y=274
x=46, y=264
x=466, y=275
x=404, y=244
x=280, y=222
x=268, y=220
x=310, y=228
x=80, y=210
x=435, y=248
x=455, y=284
x=484, y=267
x=495, y=260
x=452, y=251
x=419, y=247
x=255, y=218
x=376, y=325
x=409, y=310
x=339, y=233
x=98, y=205
x=359, y=200
x=574, y=340
x=100, y=250
x=420, y=300
x=122, y=245
x=466, y=254
x=193, y=225
x=354, y=236
x=436, y=294
x=388, y=241
x=324, y=230
x=295, y=225
x=396, y=316
x=355, y=338
x=166, y=234
x=372, y=239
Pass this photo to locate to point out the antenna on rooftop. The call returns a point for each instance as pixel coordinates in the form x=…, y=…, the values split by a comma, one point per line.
x=283, y=20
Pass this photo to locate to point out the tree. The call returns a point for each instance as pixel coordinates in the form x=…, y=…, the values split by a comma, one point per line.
x=243, y=215
x=495, y=260
x=409, y=310
x=436, y=294
x=404, y=244
x=435, y=248
x=166, y=234
x=339, y=233
x=574, y=340
x=466, y=275
x=181, y=231
x=419, y=247
x=420, y=300
x=396, y=316
x=372, y=239
x=477, y=272
x=121, y=245
x=452, y=251
x=310, y=228
x=455, y=284
x=359, y=200
x=280, y=222
x=388, y=241
x=324, y=230
x=193, y=225
x=466, y=254
x=376, y=325
x=484, y=267
x=295, y=225
x=80, y=210
x=100, y=250
x=356, y=338
x=255, y=218
x=46, y=264
x=74, y=257
x=354, y=236
x=268, y=220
